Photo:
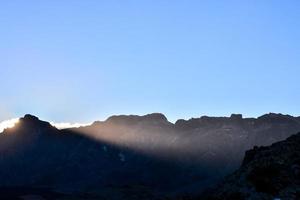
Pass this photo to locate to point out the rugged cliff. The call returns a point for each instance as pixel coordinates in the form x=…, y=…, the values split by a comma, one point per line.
x=271, y=172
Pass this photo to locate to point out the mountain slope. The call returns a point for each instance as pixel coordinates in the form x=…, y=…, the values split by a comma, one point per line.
x=271, y=172
x=36, y=155
x=127, y=156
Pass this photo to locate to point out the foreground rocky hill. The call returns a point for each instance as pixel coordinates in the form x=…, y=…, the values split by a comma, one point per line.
x=131, y=157
x=269, y=173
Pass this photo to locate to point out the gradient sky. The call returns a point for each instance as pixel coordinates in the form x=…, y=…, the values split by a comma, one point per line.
x=79, y=61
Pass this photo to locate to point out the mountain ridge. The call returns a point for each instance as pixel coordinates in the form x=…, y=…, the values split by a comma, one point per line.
x=162, y=117
x=128, y=151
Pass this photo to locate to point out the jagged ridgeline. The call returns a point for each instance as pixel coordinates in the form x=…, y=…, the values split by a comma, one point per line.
x=131, y=157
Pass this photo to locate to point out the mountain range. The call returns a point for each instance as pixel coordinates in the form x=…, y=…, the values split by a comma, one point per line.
x=132, y=157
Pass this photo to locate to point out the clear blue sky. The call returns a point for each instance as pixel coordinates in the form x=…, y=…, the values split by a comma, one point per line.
x=85, y=60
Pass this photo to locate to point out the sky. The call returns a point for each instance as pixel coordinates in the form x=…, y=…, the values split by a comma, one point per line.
x=80, y=61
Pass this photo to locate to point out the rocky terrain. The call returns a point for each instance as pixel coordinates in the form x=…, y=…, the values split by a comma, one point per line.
x=131, y=157
x=269, y=173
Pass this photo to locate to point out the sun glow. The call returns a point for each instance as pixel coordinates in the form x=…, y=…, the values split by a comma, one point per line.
x=8, y=124
x=11, y=123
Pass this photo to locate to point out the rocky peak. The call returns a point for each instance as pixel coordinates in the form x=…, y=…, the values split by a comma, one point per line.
x=206, y=121
x=133, y=119
x=155, y=117
x=236, y=116
x=275, y=116
x=29, y=117
x=30, y=123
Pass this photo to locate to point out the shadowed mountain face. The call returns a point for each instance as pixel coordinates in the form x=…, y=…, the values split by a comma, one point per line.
x=271, y=172
x=132, y=157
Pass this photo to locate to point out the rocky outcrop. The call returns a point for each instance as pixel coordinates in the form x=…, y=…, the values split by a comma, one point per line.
x=271, y=172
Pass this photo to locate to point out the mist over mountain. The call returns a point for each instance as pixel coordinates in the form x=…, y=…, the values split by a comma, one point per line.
x=131, y=157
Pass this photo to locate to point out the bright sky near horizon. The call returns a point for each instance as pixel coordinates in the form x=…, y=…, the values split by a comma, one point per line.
x=79, y=61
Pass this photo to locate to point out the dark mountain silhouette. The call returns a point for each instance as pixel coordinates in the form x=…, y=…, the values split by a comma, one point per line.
x=271, y=172
x=130, y=157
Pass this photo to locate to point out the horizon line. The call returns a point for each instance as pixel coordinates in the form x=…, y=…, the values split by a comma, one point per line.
x=63, y=125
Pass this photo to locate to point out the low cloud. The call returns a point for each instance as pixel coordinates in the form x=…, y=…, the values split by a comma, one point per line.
x=63, y=125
